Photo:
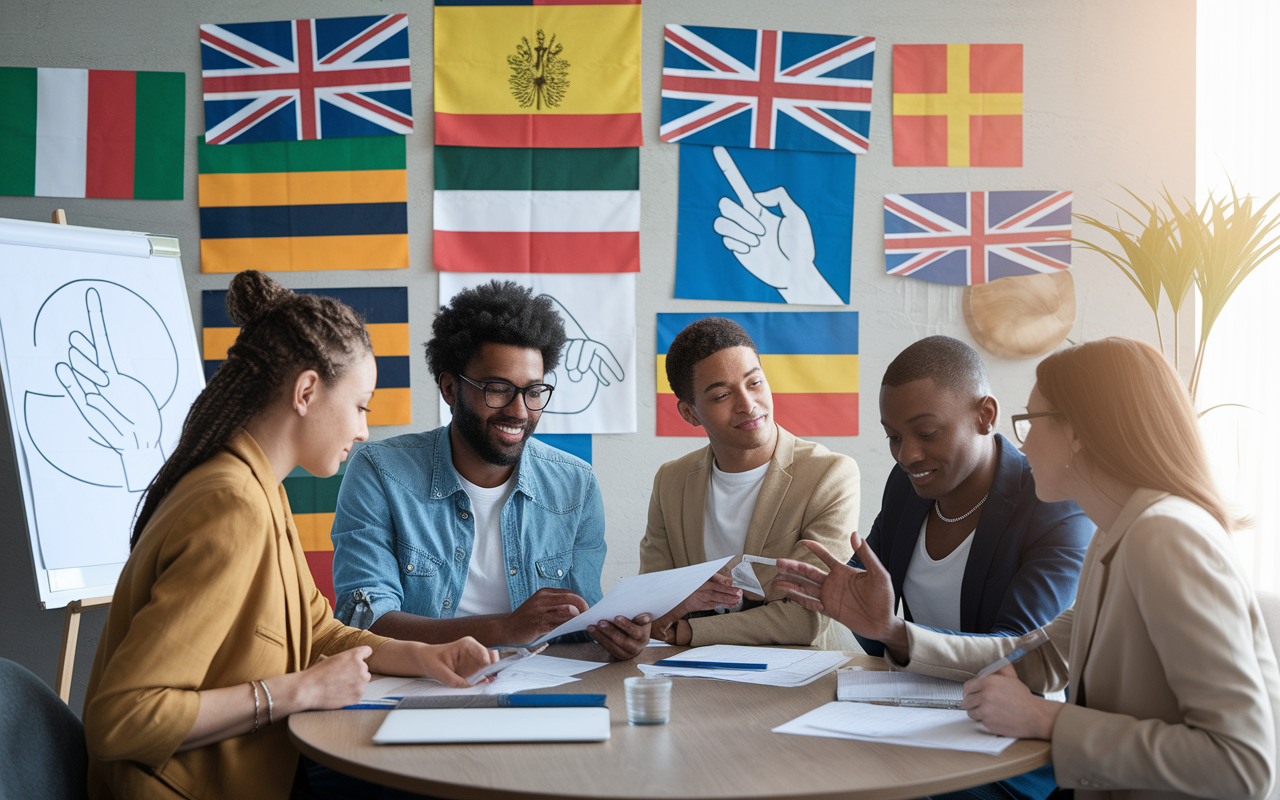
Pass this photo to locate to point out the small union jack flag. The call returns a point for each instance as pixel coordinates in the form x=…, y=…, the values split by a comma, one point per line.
x=767, y=89
x=965, y=238
x=306, y=79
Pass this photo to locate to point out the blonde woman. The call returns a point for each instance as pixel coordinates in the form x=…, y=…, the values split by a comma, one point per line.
x=1172, y=683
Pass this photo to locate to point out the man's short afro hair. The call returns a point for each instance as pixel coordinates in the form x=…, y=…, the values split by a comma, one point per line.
x=498, y=312
x=952, y=364
x=700, y=339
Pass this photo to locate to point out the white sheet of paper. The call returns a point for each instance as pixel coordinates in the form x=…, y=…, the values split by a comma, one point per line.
x=869, y=686
x=944, y=729
x=536, y=672
x=595, y=382
x=653, y=593
x=785, y=667
x=744, y=577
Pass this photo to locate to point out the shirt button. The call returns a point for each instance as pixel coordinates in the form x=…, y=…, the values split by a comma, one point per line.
x=457, y=555
x=447, y=602
x=559, y=573
x=409, y=568
x=513, y=570
x=464, y=515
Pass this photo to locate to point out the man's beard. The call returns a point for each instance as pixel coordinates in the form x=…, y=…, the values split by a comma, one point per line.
x=476, y=435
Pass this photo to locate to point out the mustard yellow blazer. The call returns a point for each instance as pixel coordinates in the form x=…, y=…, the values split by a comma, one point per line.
x=216, y=593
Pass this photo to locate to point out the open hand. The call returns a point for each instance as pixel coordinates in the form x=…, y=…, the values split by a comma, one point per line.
x=862, y=599
x=1005, y=706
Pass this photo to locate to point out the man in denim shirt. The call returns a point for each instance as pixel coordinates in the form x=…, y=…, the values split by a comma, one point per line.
x=474, y=529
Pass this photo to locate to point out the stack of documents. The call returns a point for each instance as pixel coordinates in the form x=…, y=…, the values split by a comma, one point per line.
x=782, y=667
x=898, y=688
x=918, y=727
x=536, y=672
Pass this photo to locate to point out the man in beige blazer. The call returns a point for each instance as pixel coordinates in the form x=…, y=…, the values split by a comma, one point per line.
x=755, y=489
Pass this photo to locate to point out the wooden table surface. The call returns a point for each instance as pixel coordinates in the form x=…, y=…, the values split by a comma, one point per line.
x=718, y=744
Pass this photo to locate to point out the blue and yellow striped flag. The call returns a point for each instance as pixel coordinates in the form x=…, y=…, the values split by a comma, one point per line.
x=386, y=314
x=309, y=205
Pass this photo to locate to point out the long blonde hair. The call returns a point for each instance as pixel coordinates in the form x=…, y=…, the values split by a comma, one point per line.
x=1134, y=418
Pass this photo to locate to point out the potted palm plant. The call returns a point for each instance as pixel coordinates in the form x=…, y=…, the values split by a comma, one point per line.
x=1179, y=246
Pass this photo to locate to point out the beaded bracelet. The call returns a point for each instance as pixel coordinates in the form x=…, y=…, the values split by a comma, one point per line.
x=271, y=706
x=255, y=706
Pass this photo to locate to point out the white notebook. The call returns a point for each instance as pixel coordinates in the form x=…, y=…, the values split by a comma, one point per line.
x=898, y=688
x=441, y=725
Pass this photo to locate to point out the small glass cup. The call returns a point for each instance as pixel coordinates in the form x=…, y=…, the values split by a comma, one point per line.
x=648, y=700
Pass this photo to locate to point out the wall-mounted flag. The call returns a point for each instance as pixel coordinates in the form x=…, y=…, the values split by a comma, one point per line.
x=810, y=360
x=957, y=105
x=91, y=133
x=972, y=237
x=306, y=79
x=386, y=314
x=282, y=206
x=551, y=73
x=773, y=226
x=595, y=382
x=767, y=89
x=530, y=209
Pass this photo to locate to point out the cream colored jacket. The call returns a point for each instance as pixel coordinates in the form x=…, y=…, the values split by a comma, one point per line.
x=216, y=593
x=809, y=492
x=1171, y=676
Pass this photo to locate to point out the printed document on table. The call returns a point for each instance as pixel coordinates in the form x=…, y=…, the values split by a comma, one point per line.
x=784, y=667
x=898, y=688
x=536, y=672
x=940, y=728
x=653, y=593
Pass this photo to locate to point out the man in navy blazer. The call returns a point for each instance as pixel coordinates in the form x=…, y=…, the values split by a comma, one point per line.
x=971, y=492
x=968, y=545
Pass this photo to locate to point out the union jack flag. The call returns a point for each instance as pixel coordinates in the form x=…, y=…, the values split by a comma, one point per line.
x=767, y=89
x=965, y=238
x=306, y=79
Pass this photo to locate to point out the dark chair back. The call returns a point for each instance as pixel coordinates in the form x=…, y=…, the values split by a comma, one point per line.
x=42, y=751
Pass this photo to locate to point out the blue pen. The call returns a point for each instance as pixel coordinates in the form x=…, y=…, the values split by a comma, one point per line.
x=675, y=662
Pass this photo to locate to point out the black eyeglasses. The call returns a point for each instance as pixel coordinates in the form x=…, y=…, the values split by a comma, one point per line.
x=1022, y=423
x=499, y=394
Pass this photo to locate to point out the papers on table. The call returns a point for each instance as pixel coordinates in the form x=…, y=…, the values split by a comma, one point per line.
x=898, y=688
x=940, y=728
x=653, y=593
x=783, y=667
x=536, y=672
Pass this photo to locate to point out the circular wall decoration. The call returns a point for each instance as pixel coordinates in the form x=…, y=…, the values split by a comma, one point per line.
x=1021, y=316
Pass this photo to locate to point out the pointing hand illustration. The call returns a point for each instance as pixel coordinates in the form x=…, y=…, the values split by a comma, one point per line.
x=119, y=408
x=584, y=363
x=777, y=248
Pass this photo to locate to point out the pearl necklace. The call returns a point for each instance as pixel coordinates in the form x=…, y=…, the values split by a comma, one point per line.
x=938, y=508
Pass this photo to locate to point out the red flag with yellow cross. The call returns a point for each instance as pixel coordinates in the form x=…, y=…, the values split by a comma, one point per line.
x=957, y=105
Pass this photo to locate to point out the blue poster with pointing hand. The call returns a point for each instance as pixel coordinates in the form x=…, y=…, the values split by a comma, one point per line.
x=770, y=226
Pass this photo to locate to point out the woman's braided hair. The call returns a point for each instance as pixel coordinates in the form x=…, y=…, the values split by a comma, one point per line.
x=281, y=335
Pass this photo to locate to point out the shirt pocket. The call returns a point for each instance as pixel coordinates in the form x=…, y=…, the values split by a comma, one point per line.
x=555, y=570
x=415, y=562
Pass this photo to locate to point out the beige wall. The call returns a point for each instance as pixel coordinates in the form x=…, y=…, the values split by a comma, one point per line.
x=1109, y=101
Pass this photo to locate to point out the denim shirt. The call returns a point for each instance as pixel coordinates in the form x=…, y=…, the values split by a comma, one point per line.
x=403, y=533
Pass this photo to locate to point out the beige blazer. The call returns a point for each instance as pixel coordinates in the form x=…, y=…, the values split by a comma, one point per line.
x=216, y=593
x=1171, y=676
x=809, y=492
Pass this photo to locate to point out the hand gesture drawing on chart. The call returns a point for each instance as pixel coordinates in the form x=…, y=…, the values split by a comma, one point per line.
x=119, y=408
x=778, y=247
x=584, y=363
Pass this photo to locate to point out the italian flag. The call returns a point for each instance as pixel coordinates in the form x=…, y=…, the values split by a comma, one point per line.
x=525, y=209
x=91, y=133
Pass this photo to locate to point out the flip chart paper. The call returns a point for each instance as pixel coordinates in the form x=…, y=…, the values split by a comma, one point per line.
x=653, y=593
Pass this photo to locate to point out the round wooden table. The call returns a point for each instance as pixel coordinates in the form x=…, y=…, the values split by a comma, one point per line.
x=718, y=744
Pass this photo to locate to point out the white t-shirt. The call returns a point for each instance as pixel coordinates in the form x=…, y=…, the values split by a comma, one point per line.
x=932, y=588
x=730, y=500
x=486, y=591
